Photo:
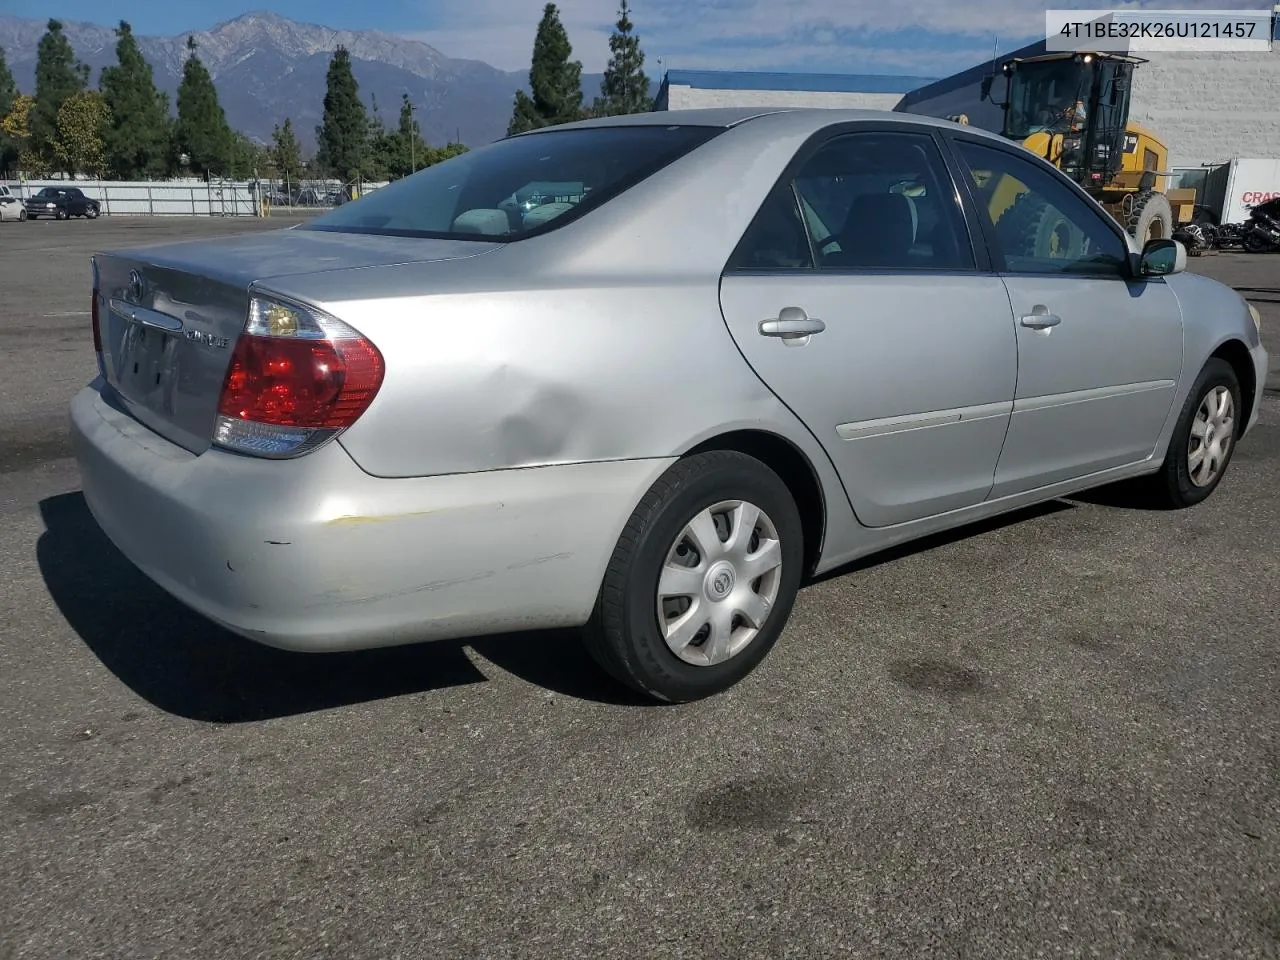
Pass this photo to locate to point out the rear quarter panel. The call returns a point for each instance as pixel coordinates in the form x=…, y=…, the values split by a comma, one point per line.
x=604, y=370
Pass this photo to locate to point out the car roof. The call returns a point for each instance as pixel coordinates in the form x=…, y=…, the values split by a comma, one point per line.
x=786, y=120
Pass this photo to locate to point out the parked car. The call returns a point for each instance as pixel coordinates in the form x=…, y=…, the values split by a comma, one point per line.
x=11, y=207
x=731, y=350
x=62, y=203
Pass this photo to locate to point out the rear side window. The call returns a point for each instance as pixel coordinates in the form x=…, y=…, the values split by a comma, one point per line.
x=883, y=201
x=518, y=186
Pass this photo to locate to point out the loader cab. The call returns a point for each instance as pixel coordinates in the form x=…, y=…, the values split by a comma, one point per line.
x=1072, y=108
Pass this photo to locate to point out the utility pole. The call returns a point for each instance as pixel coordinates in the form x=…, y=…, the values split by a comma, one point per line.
x=413, y=140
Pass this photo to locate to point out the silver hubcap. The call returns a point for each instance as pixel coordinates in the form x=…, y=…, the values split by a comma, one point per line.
x=1212, y=433
x=719, y=582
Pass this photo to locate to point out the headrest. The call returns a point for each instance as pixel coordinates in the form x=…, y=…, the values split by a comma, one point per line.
x=880, y=229
x=480, y=220
x=544, y=212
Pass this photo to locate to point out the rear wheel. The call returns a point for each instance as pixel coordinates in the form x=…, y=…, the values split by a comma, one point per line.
x=22, y=214
x=702, y=580
x=1203, y=439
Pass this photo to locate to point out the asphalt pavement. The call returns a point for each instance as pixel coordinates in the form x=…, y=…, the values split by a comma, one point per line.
x=1057, y=734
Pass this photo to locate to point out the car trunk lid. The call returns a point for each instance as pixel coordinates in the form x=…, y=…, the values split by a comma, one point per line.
x=169, y=316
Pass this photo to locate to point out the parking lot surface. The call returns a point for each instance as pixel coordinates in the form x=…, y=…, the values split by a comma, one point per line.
x=1057, y=734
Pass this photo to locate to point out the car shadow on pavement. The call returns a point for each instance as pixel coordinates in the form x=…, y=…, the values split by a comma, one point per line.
x=184, y=664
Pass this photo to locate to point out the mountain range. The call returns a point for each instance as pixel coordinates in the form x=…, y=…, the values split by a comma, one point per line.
x=267, y=68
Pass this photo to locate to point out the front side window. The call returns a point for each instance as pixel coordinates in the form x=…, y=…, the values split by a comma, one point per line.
x=506, y=190
x=1040, y=224
x=883, y=201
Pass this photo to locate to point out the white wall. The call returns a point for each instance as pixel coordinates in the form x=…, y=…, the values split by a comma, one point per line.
x=695, y=98
x=1210, y=107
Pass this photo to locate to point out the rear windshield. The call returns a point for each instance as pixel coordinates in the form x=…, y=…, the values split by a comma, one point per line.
x=518, y=186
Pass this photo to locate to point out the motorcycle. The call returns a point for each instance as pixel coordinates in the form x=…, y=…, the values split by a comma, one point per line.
x=1195, y=238
x=1262, y=233
x=1226, y=236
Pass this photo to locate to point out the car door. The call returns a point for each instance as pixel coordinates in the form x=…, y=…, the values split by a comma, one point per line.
x=858, y=297
x=1099, y=350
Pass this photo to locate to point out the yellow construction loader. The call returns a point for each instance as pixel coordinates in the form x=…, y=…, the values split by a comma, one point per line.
x=1072, y=108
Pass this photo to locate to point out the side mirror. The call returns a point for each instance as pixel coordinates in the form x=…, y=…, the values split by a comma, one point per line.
x=1162, y=257
x=986, y=88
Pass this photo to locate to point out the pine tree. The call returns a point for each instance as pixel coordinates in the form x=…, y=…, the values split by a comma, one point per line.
x=554, y=80
x=343, y=136
x=286, y=152
x=8, y=94
x=59, y=76
x=137, y=142
x=625, y=87
x=201, y=132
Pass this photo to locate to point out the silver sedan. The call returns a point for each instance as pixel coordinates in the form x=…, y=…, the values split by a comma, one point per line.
x=643, y=376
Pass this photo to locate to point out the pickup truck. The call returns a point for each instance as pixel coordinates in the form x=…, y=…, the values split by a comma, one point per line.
x=61, y=202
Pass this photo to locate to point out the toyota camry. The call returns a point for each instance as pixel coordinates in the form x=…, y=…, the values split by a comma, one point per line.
x=642, y=376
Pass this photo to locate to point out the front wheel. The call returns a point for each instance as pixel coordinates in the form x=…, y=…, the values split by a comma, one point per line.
x=1254, y=242
x=62, y=215
x=1203, y=439
x=702, y=580
x=91, y=213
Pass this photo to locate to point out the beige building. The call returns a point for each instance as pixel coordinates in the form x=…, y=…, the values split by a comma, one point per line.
x=694, y=89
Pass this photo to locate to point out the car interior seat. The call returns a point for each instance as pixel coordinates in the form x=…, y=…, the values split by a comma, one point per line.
x=878, y=232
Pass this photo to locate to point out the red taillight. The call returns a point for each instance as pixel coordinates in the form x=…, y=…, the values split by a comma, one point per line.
x=297, y=378
x=97, y=330
x=93, y=312
x=317, y=384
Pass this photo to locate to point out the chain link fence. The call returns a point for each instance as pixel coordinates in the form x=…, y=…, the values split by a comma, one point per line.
x=283, y=195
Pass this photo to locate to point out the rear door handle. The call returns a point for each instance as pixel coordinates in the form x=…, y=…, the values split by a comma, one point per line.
x=791, y=322
x=1040, y=318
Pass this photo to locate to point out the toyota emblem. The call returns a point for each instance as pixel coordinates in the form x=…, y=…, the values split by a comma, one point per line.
x=137, y=290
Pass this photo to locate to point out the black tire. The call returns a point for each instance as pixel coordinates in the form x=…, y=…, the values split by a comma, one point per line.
x=624, y=634
x=1031, y=228
x=62, y=215
x=1253, y=242
x=1172, y=486
x=91, y=213
x=1151, y=212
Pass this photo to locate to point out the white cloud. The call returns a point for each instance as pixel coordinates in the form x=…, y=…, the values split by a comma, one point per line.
x=759, y=34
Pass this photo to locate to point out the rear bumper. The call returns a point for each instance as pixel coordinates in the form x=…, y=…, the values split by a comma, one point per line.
x=314, y=554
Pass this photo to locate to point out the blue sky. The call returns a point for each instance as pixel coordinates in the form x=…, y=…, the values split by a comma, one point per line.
x=920, y=37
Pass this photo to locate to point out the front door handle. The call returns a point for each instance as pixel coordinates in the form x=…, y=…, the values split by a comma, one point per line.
x=791, y=322
x=1040, y=318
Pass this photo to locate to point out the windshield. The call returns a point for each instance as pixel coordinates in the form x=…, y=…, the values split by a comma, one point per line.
x=517, y=186
x=1043, y=96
